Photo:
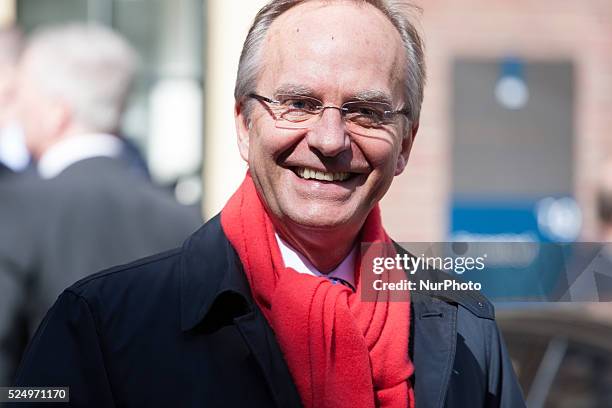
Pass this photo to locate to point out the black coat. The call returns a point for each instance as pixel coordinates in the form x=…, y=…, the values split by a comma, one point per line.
x=181, y=329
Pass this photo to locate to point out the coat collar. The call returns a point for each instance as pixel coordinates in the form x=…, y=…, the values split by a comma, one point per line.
x=215, y=291
x=211, y=269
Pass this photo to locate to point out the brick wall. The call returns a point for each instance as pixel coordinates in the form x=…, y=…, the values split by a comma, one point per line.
x=417, y=206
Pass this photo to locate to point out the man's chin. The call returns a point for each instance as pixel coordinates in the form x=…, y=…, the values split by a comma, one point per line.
x=320, y=219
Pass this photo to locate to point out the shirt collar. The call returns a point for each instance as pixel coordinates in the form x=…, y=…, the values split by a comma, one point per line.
x=293, y=259
x=74, y=149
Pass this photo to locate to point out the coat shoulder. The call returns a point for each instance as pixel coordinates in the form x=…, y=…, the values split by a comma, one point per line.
x=153, y=285
x=139, y=279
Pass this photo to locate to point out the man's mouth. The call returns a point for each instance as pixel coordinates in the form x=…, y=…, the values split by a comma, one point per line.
x=306, y=173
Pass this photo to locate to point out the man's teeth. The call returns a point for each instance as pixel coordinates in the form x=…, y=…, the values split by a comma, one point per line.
x=321, y=175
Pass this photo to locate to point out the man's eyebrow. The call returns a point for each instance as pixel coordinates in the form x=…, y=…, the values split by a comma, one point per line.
x=294, y=89
x=370, y=95
x=373, y=95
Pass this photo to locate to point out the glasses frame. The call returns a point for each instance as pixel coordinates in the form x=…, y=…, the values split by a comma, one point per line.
x=318, y=110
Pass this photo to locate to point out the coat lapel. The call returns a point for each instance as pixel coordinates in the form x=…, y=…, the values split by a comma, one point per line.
x=211, y=270
x=261, y=341
x=434, y=341
x=433, y=338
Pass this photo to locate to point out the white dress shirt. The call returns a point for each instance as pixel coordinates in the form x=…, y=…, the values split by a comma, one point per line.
x=74, y=149
x=293, y=259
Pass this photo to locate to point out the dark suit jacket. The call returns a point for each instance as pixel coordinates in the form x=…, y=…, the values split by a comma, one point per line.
x=16, y=260
x=181, y=329
x=97, y=213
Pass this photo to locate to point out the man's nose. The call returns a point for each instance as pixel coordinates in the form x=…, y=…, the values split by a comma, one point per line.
x=329, y=135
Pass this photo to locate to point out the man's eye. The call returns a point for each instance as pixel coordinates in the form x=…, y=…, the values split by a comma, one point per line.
x=299, y=104
x=364, y=112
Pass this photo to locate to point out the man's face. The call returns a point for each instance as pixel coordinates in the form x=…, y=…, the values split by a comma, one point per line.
x=335, y=52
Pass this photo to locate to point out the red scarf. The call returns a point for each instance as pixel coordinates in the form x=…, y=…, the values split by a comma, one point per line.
x=341, y=351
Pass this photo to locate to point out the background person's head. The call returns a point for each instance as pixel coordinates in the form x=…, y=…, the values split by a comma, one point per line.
x=10, y=48
x=336, y=52
x=73, y=79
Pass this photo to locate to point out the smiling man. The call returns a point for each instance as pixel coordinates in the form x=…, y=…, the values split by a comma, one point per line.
x=264, y=305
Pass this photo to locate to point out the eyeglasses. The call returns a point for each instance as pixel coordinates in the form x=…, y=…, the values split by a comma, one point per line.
x=302, y=112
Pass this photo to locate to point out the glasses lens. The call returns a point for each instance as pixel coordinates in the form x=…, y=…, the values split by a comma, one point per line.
x=296, y=109
x=366, y=114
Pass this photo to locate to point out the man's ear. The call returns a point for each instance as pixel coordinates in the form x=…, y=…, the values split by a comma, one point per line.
x=242, y=130
x=407, y=142
x=59, y=117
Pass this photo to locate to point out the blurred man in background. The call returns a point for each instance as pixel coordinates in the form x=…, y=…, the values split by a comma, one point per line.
x=13, y=151
x=74, y=82
x=90, y=210
x=15, y=198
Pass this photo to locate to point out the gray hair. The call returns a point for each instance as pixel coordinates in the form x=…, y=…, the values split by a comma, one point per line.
x=397, y=11
x=89, y=66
